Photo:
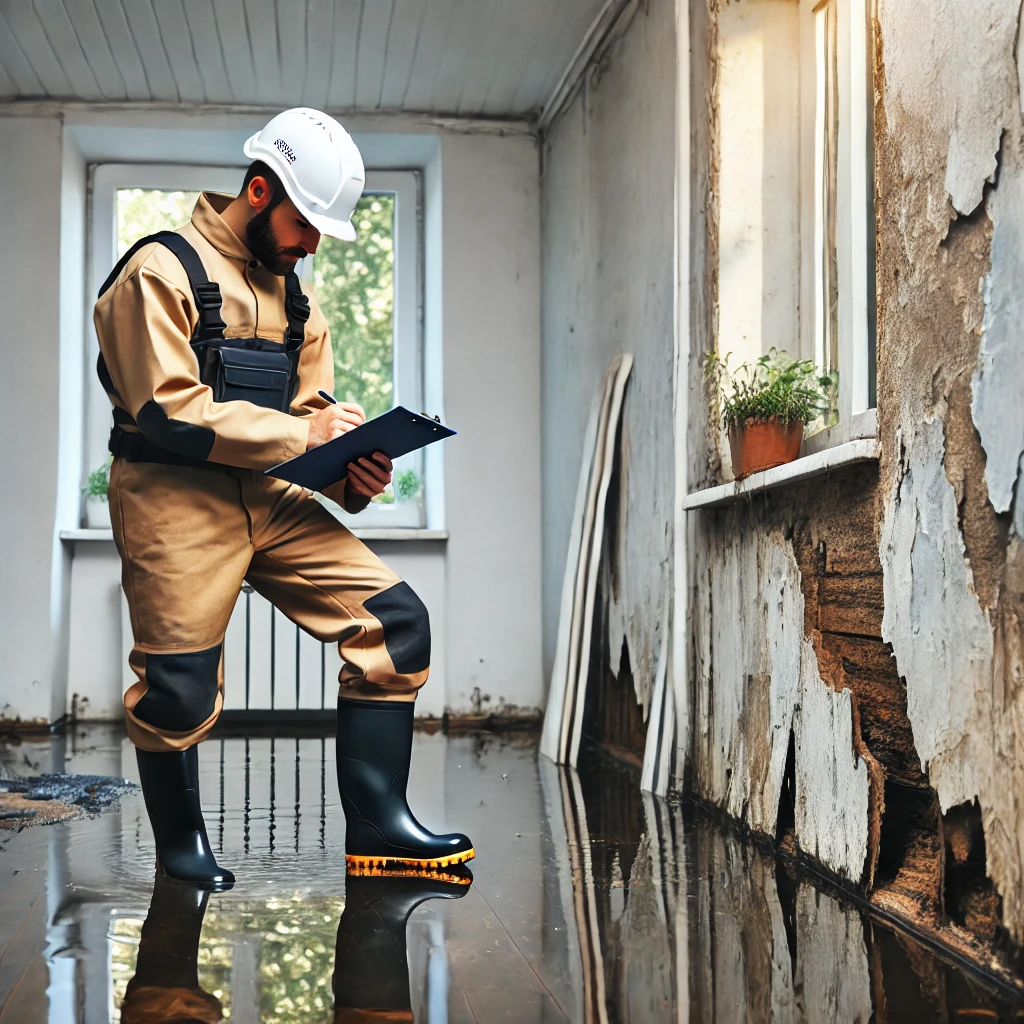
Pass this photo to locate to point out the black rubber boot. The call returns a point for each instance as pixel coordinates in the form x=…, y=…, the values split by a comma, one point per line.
x=374, y=750
x=170, y=784
x=371, y=969
x=165, y=986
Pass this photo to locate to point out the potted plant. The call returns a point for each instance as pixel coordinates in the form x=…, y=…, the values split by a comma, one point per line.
x=95, y=491
x=406, y=486
x=766, y=404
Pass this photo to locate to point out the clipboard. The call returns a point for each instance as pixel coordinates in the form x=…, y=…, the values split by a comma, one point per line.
x=396, y=433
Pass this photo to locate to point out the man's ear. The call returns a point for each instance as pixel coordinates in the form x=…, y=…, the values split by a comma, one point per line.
x=259, y=193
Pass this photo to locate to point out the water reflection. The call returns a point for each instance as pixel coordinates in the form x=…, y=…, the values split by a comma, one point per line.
x=591, y=903
x=282, y=953
x=165, y=986
x=371, y=967
x=688, y=922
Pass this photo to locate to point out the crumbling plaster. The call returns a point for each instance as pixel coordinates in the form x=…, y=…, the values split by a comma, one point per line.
x=948, y=181
x=754, y=673
x=951, y=372
x=757, y=680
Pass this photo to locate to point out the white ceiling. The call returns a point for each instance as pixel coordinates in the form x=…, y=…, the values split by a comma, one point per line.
x=494, y=58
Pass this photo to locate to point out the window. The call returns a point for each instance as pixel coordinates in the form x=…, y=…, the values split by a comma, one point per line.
x=370, y=291
x=837, y=198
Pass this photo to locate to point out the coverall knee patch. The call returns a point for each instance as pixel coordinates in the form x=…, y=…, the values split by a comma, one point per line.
x=406, y=627
x=181, y=690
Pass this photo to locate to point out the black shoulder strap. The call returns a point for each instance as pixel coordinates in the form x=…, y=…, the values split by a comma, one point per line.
x=296, y=307
x=205, y=292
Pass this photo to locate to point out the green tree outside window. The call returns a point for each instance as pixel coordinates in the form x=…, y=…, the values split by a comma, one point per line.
x=355, y=286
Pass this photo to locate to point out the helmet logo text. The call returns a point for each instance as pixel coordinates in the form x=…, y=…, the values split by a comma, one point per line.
x=286, y=150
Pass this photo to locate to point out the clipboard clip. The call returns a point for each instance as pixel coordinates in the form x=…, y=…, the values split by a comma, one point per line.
x=427, y=416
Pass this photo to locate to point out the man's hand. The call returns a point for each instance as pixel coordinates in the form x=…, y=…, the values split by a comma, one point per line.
x=369, y=477
x=332, y=422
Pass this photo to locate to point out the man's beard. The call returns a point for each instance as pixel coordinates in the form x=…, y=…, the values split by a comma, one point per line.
x=263, y=244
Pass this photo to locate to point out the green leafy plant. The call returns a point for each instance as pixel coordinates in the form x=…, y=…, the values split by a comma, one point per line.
x=407, y=485
x=775, y=387
x=98, y=482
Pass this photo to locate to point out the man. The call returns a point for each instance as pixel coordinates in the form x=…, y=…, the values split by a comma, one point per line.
x=213, y=360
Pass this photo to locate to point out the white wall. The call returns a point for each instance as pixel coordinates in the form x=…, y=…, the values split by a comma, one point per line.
x=30, y=183
x=491, y=211
x=71, y=418
x=482, y=318
x=609, y=266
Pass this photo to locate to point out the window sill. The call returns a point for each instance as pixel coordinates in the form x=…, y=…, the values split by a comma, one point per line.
x=807, y=467
x=369, y=533
x=861, y=425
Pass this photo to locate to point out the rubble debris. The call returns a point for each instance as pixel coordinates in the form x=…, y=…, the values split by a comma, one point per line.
x=57, y=796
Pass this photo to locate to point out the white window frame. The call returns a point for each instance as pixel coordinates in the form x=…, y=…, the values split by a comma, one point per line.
x=105, y=181
x=854, y=203
x=408, y=334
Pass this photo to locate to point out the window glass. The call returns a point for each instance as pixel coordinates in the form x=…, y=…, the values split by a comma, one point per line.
x=143, y=211
x=369, y=291
x=828, y=357
x=837, y=187
x=869, y=201
x=355, y=286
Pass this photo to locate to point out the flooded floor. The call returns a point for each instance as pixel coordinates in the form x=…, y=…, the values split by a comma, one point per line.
x=590, y=902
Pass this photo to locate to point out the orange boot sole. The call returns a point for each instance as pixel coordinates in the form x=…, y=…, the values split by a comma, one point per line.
x=357, y=865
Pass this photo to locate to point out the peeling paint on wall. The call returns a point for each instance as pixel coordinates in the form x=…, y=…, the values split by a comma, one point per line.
x=748, y=621
x=950, y=415
x=932, y=618
x=934, y=56
x=998, y=381
x=758, y=679
x=832, y=785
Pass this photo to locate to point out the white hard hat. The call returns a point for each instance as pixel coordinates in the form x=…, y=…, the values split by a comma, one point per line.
x=318, y=164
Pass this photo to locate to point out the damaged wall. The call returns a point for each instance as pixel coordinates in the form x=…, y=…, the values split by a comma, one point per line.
x=876, y=614
x=608, y=268
x=950, y=174
x=759, y=690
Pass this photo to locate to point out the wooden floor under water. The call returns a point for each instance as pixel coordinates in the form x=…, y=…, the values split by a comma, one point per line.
x=590, y=902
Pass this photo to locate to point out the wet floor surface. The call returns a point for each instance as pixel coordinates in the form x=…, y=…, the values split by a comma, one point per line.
x=590, y=902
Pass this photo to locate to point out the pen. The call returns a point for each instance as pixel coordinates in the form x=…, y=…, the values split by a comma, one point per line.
x=328, y=398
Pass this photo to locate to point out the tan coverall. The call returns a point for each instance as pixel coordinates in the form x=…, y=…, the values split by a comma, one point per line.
x=189, y=536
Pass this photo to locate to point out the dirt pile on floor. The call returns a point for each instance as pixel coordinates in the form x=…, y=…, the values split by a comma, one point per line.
x=45, y=799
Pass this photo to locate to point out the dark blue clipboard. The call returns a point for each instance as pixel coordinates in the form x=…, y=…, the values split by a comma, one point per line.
x=396, y=433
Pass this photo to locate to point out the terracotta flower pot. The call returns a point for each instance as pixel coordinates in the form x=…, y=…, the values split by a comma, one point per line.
x=761, y=444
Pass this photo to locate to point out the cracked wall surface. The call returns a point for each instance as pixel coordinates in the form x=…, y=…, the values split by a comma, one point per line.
x=877, y=616
x=951, y=376
x=758, y=681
